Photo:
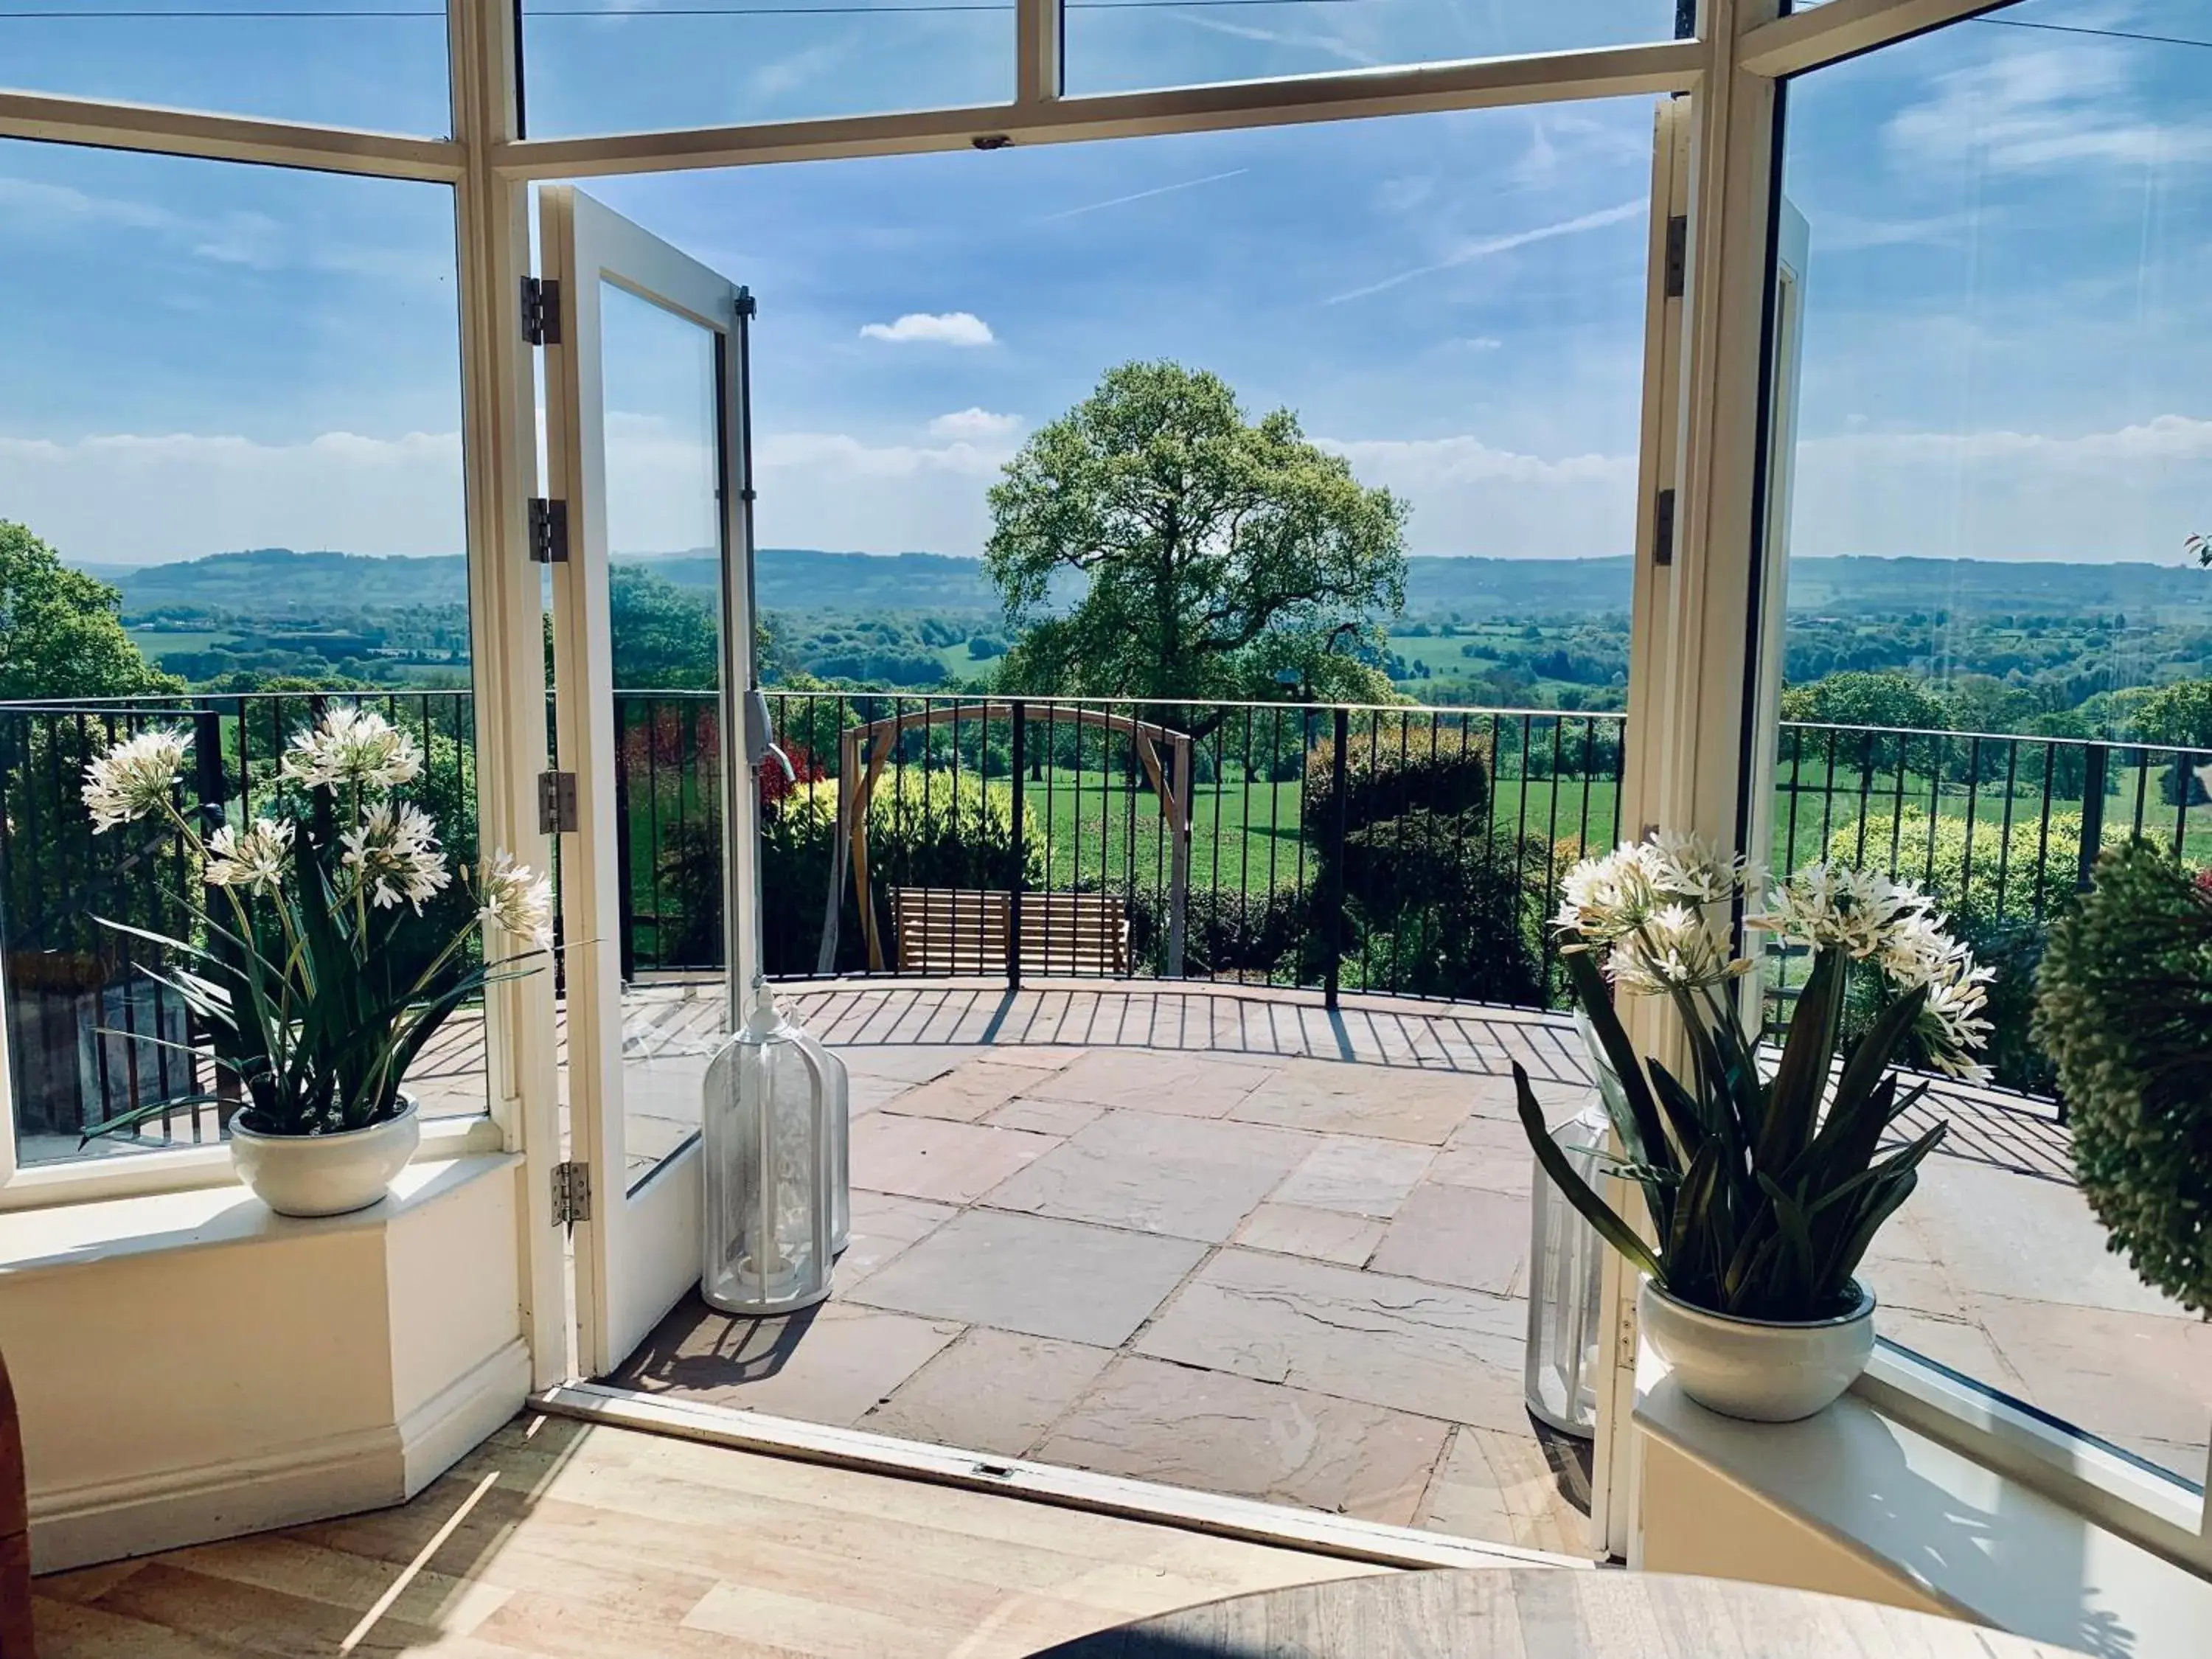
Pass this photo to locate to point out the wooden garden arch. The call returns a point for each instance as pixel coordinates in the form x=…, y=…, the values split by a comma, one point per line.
x=864, y=751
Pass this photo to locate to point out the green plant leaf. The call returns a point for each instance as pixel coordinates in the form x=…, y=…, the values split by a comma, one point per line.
x=1644, y=1134
x=1578, y=1192
x=1793, y=1097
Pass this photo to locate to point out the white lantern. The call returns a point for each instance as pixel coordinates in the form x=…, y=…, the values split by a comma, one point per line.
x=767, y=1136
x=1566, y=1260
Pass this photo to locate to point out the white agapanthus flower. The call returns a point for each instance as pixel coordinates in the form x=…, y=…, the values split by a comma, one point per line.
x=355, y=746
x=134, y=778
x=393, y=855
x=1953, y=1027
x=1675, y=949
x=516, y=898
x=1687, y=868
x=1861, y=913
x=253, y=860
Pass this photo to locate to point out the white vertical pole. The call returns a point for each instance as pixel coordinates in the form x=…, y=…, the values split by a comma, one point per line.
x=1689, y=764
x=507, y=633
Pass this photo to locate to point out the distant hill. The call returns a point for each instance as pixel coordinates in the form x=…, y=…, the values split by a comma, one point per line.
x=275, y=582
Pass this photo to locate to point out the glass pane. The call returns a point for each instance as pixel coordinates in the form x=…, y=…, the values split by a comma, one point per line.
x=1997, y=646
x=659, y=63
x=663, y=513
x=1125, y=45
x=379, y=64
x=230, y=479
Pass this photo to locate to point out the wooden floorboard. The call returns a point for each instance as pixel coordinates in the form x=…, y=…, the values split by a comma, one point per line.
x=564, y=1540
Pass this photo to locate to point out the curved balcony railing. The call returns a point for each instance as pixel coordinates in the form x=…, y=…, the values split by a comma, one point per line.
x=1393, y=849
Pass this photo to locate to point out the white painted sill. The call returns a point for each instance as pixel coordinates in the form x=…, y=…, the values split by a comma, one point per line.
x=1989, y=1511
x=98, y=1182
x=58, y=1237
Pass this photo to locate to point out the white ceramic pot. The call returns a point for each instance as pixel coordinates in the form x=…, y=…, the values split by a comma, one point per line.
x=1768, y=1370
x=324, y=1175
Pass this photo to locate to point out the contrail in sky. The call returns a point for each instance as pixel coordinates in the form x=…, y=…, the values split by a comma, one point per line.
x=1160, y=190
x=1490, y=245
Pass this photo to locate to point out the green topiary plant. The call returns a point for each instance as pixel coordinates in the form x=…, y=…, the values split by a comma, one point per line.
x=2125, y=1009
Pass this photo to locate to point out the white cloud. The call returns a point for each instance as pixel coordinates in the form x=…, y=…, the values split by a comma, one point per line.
x=2133, y=492
x=2039, y=108
x=1468, y=496
x=974, y=424
x=958, y=328
x=832, y=490
x=145, y=499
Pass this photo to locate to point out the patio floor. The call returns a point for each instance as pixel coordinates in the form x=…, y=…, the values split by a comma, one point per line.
x=1223, y=1238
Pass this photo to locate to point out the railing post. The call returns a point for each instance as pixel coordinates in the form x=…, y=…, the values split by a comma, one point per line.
x=625, y=888
x=2094, y=762
x=1336, y=837
x=1019, y=761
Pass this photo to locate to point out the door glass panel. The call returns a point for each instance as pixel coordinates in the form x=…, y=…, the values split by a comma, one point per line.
x=663, y=517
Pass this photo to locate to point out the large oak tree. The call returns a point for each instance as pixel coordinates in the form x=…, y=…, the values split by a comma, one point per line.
x=1154, y=543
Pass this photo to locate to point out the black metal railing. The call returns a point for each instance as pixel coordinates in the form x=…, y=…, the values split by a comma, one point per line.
x=1405, y=851
x=90, y=1036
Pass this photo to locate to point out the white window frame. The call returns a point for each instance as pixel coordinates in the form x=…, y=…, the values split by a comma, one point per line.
x=1686, y=748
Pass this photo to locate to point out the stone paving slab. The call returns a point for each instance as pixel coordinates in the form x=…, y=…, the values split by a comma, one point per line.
x=991, y=1391
x=929, y=1158
x=1189, y=1177
x=1190, y=1085
x=1035, y=1275
x=1431, y=1349
x=829, y=1363
x=1346, y=1238
x=1220, y=1432
x=1356, y=1175
x=1464, y=1236
x=1327, y=1098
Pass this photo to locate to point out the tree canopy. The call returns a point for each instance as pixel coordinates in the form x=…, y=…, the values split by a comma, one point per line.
x=1212, y=552
x=61, y=631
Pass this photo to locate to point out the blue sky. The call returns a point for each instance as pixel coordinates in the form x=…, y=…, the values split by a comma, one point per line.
x=2006, y=351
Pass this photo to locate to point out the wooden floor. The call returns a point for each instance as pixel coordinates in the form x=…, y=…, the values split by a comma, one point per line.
x=560, y=1540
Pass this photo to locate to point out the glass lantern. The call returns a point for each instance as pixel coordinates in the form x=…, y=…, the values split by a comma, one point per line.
x=840, y=1087
x=1566, y=1260
x=766, y=1133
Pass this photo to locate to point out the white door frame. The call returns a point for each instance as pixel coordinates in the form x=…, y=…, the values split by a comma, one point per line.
x=636, y=1252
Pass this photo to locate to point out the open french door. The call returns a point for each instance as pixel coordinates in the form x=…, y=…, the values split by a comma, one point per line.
x=646, y=452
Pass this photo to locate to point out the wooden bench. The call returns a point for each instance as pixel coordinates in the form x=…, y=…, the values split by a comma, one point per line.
x=963, y=932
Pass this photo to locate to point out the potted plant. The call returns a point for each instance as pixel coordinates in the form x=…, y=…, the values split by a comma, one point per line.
x=343, y=946
x=1762, y=1202
x=2123, y=1007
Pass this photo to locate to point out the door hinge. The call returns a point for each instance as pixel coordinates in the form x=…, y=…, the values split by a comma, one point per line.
x=548, y=531
x=1662, y=529
x=541, y=311
x=747, y=305
x=572, y=1193
x=1678, y=255
x=557, y=803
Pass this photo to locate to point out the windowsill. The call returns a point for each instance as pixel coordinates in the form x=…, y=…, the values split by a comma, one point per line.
x=64, y=1235
x=1878, y=1497
x=100, y=1182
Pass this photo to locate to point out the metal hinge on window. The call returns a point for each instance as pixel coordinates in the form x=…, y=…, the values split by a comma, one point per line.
x=747, y=305
x=1678, y=255
x=572, y=1193
x=548, y=531
x=541, y=311
x=1662, y=529
x=557, y=803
